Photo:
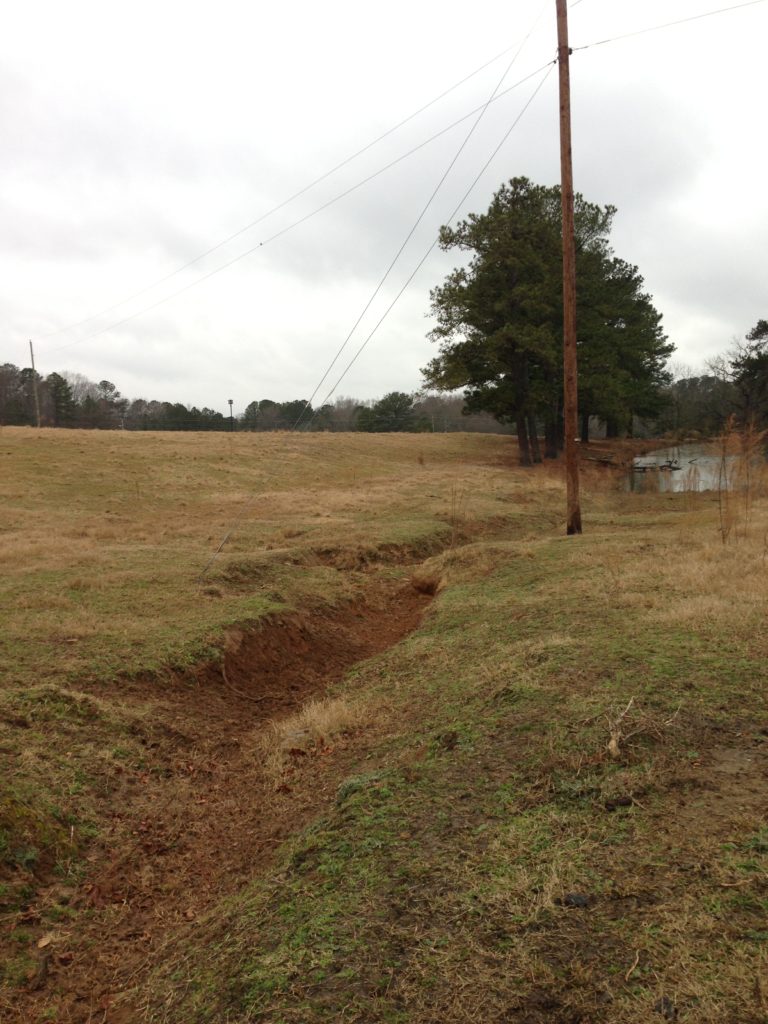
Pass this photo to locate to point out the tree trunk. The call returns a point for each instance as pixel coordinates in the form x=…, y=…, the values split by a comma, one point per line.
x=585, y=428
x=550, y=438
x=533, y=434
x=611, y=427
x=523, y=442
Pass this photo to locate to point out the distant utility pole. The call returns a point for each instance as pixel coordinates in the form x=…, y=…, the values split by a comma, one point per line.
x=231, y=417
x=570, y=375
x=34, y=384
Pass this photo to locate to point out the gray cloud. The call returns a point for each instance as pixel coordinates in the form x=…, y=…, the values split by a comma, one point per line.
x=136, y=139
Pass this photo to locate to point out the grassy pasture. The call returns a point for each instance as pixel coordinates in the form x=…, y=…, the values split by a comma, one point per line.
x=103, y=537
x=105, y=533
x=548, y=803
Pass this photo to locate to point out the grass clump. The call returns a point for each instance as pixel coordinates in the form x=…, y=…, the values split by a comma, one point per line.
x=312, y=731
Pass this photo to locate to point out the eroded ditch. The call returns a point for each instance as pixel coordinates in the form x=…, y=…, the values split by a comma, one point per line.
x=201, y=817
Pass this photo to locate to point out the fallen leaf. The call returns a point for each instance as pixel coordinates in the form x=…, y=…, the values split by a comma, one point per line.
x=46, y=940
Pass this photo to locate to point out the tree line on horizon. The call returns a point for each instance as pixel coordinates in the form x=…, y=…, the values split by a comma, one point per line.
x=734, y=385
x=71, y=400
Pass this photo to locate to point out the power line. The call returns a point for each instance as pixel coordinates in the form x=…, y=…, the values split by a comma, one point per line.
x=424, y=258
x=249, y=502
x=342, y=195
x=420, y=217
x=296, y=195
x=290, y=227
x=482, y=111
x=426, y=255
x=669, y=24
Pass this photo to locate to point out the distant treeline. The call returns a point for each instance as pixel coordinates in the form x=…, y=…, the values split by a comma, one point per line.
x=72, y=400
x=396, y=411
x=735, y=385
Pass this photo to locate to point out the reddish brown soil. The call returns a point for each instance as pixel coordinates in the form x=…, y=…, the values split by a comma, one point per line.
x=202, y=817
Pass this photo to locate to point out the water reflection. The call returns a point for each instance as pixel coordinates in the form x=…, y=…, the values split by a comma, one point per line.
x=685, y=467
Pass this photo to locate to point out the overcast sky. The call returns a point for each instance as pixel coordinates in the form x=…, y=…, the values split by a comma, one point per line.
x=136, y=136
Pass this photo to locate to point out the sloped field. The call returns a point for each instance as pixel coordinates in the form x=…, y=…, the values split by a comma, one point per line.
x=406, y=754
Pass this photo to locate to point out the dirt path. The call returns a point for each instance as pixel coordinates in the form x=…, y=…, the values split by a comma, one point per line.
x=205, y=818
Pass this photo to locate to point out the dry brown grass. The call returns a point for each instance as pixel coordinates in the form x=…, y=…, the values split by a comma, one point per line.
x=313, y=730
x=742, y=479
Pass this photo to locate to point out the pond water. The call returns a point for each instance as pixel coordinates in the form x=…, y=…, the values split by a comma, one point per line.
x=684, y=467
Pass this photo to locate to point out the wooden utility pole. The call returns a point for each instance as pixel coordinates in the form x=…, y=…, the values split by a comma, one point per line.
x=570, y=375
x=34, y=384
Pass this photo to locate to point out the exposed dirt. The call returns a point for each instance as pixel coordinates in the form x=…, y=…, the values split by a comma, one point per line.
x=729, y=781
x=200, y=818
x=270, y=666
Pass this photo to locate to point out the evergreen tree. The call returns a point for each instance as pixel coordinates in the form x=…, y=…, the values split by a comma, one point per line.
x=749, y=373
x=499, y=318
x=63, y=408
x=393, y=412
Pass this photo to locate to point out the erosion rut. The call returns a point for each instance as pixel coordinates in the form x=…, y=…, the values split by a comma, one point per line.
x=206, y=818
